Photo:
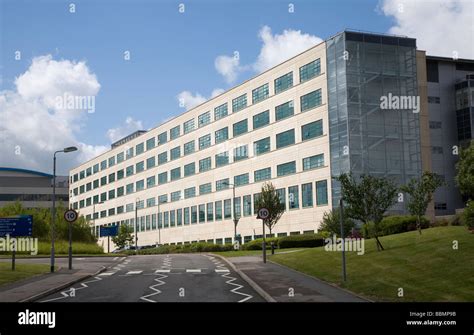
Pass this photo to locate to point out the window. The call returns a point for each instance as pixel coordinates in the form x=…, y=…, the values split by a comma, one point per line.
x=311, y=130
x=89, y=171
x=139, y=149
x=237, y=207
x=293, y=197
x=284, y=110
x=175, y=153
x=179, y=217
x=204, y=119
x=129, y=153
x=111, y=179
x=128, y=188
x=307, y=193
x=286, y=169
x=95, y=168
x=175, y=173
x=163, y=158
x=189, y=147
x=175, y=196
x=222, y=184
x=261, y=119
x=263, y=174
x=103, y=181
x=120, y=191
x=202, y=213
x=175, y=132
x=227, y=209
x=205, y=164
x=139, y=167
x=310, y=100
x=435, y=124
x=322, y=192
x=140, y=185
x=150, y=162
x=239, y=103
x=218, y=208
x=241, y=153
x=111, y=161
x=256, y=198
x=313, y=162
x=162, y=178
x=247, y=201
x=210, y=212
x=95, y=184
x=163, y=198
x=220, y=111
x=150, y=181
x=150, y=143
x=150, y=202
x=172, y=218
x=222, y=159
x=260, y=93
x=111, y=194
x=193, y=214
x=204, y=141
x=162, y=138
x=310, y=70
x=103, y=166
x=281, y=195
x=242, y=179
x=222, y=135
x=189, y=169
x=240, y=128
x=188, y=126
x=261, y=146
x=205, y=188
x=166, y=216
x=186, y=216
x=285, y=139
x=189, y=192
x=434, y=100
x=284, y=82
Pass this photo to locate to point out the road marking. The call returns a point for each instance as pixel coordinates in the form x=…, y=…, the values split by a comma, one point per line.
x=162, y=271
x=66, y=295
x=106, y=273
x=154, y=288
x=235, y=290
x=134, y=272
x=222, y=270
x=115, y=258
x=121, y=265
x=193, y=270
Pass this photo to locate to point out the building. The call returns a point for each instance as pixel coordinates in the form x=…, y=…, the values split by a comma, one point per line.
x=314, y=116
x=32, y=188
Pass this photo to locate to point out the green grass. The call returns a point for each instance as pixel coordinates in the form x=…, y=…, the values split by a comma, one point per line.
x=62, y=248
x=425, y=266
x=239, y=253
x=22, y=271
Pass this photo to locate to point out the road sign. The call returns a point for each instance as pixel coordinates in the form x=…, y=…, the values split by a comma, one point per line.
x=70, y=215
x=20, y=225
x=109, y=231
x=263, y=214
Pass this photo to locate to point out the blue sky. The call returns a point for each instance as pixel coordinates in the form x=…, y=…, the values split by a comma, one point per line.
x=170, y=51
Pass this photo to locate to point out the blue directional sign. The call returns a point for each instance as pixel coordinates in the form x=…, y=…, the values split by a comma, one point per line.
x=20, y=225
x=109, y=231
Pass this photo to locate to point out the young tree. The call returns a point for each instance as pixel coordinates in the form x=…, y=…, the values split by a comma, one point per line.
x=368, y=199
x=465, y=169
x=421, y=193
x=332, y=224
x=124, y=237
x=270, y=200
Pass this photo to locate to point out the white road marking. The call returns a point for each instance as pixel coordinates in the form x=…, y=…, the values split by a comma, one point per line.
x=115, y=258
x=193, y=270
x=106, y=273
x=66, y=295
x=154, y=288
x=162, y=271
x=134, y=272
x=230, y=282
x=222, y=270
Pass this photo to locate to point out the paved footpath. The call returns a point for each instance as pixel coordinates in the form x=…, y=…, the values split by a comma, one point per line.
x=281, y=284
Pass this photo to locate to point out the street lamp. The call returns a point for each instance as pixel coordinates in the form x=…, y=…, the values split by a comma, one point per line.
x=53, y=215
x=236, y=220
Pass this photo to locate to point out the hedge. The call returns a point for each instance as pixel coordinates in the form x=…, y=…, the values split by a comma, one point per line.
x=394, y=224
x=183, y=248
x=257, y=243
x=301, y=241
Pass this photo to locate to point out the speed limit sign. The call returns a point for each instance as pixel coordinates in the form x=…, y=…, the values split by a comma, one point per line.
x=70, y=215
x=263, y=214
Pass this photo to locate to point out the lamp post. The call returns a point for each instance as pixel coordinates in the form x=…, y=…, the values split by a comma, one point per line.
x=53, y=214
x=136, y=225
x=158, y=222
x=236, y=220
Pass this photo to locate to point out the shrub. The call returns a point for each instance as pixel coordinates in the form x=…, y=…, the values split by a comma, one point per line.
x=467, y=216
x=183, y=248
x=394, y=224
x=257, y=243
x=331, y=224
x=455, y=221
x=440, y=223
x=301, y=241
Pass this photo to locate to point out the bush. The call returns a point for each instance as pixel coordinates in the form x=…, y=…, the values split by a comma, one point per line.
x=331, y=224
x=301, y=241
x=183, y=248
x=467, y=216
x=456, y=220
x=394, y=224
x=257, y=243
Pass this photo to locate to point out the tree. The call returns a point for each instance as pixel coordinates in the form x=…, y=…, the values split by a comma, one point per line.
x=331, y=223
x=124, y=237
x=270, y=199
x=368, y=199
x=465, y=171
x=421, y=193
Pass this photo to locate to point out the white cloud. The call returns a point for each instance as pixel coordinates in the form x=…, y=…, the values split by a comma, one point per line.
x=217, y=91
x=280, y=47
x=228, y=66
x=32, y=126
x=131, y=125
x=441, y=27
x=188, y=100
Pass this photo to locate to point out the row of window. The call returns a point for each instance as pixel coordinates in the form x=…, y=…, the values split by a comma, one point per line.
x=293, y=197
x=286, y=138
x=260, y=175
x=282, y=83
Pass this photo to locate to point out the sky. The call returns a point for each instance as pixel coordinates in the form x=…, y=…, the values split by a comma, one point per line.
x=140, y=63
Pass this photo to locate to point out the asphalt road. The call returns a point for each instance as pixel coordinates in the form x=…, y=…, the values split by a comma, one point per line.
x=162, y=278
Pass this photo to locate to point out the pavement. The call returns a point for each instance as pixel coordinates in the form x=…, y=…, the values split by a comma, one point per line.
x=282, y=284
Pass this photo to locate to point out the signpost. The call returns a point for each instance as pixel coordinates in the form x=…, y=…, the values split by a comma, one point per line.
x=15, y=226
x=263, y=214
x=109, y=231
x=70, y=216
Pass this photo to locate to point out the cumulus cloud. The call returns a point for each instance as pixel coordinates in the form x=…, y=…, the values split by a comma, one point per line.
x=442, y=27
x=130, y=126
x=188, y=100
x=33, y=126
x=228, y=66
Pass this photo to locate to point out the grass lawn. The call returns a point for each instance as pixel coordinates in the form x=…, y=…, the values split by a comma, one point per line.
x=61, y=248
x=254, y=252
x=22, y=271
x=426, y=266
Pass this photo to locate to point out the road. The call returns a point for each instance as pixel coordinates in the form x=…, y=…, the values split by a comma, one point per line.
x=162, y=278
